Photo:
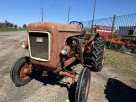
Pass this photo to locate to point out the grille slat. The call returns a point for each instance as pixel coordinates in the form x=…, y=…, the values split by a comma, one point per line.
x=39, y=45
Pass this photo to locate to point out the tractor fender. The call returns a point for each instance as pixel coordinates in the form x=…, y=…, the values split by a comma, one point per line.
x=93, y=37
x=90, y=42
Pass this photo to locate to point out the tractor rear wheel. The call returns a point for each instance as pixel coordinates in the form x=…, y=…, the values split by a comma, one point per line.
x=83, y=85
x=20, y=72
x=97, y=54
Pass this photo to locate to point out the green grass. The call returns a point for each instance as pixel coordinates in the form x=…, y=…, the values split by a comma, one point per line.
x=11, y=29
x=121, y=62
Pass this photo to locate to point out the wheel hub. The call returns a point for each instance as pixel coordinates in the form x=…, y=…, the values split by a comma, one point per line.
x=25, y=70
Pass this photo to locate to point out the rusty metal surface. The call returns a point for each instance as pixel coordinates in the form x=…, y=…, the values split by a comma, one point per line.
x=69, y=61
x=58, y=38
x=89, y=47
x=25, y=70
x=93, y=37
x=69, y=75
x=47, y=26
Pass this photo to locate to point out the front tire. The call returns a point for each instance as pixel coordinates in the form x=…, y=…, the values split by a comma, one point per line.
x=83, y=85
x=17, y=71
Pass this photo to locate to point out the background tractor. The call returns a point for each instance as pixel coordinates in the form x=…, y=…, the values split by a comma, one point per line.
x=54, y=47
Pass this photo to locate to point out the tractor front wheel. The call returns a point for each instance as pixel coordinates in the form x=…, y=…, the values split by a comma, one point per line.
x=21, y=71
x=83, y=85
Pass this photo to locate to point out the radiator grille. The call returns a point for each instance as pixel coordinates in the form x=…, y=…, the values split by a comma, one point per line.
x=39, y=45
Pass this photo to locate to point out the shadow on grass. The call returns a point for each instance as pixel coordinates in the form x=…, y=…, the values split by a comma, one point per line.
x=116, y=91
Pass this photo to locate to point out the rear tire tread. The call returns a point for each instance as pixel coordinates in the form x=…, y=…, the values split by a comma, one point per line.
x=97, y=54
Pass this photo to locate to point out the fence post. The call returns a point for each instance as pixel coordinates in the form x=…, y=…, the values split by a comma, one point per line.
x=112, y=29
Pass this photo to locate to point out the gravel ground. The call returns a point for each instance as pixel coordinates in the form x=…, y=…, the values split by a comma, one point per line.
x=109, y=85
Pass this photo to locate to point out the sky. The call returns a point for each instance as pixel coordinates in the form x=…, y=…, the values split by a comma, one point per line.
x=27, y=11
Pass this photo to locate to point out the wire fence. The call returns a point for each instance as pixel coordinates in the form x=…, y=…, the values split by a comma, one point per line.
x=121, y=25
x=119, y=31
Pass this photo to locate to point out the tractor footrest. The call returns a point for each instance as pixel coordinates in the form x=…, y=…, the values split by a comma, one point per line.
x=85, y=65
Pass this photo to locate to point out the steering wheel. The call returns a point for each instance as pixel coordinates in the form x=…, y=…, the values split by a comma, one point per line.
x=79, y=23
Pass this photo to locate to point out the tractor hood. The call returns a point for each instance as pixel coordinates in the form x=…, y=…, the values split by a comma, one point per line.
x=47, y=26
x=55, y=38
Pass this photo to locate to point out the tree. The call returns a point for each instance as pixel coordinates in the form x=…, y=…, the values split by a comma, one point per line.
x=11, y=25
x=24, y=26
x=15, y=26
x=8, y=24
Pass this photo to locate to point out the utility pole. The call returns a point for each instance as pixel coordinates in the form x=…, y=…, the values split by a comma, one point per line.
x=113, y=24
x=92, y=31
x=42, y=13
x=69, y=9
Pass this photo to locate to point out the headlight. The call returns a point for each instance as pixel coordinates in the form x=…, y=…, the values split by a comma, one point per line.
x=65, y=50
x=23, y=44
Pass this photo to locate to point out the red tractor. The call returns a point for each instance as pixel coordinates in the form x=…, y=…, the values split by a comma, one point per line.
x=53, y=47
